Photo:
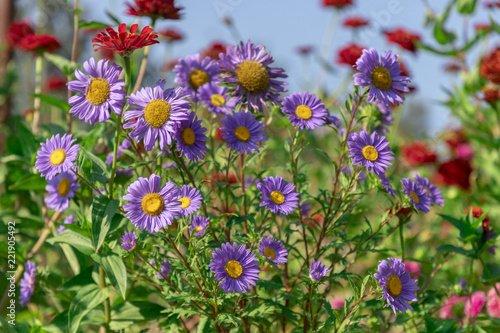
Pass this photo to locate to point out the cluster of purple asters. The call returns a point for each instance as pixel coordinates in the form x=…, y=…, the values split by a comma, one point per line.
x=422, y=193
x=27, y=283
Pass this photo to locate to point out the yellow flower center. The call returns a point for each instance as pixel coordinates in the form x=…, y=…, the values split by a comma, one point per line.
x=63, y=187
x=197, y=78
x=269, y=253
x=98, y=91
x=253, y=76
x=217, y=100
x=242, y=133
x=415, y=197
x=188, y=136
x=197, y=229
x=185, y=202
x=381, y=78
x=157, y=112
x=394, y=286
x=57, y=157
x=277, y=197
x=303, y=112
x=152, y=204
x=234, y=269
x=370, y=153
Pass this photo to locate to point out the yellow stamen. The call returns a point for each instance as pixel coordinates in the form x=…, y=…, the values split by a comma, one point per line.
x=303, y=112
x=253, y=76
x=153, y=204
x=234, y=269
x=381, y=78
x=188, y=136
x=185, y=202
x=217, y=100
x=57, y=157
x=197, y=78
x=197, y=229
x=242, y=133
x=394, y=286
x=157, y=113
x=98, y=91
x=277, y=197
x=63, y=187
x=415, y=197
x=370, y=153
x=269, y=253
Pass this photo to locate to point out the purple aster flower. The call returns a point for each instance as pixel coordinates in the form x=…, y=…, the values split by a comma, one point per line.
x=235, y=267
x=190, y=199
x=397, y=285
x=386, y=185
x=128, y=241
x=57, y=155
x=216, y=98
x=304, y=110
x=361, y=174
x=69, y=220
x=165, y=269
x=124, y=172
x=386, y=120
x=27, y=283
x=199, y=224
x=273, y=250
x=152, y=206
x=318, y=271
x=372, y=152
x=431, y=190
x=382, y=75
x=123, y=146
x=61, y=188
x=332, y=120
x=159, y=112
x=278, y=195
x=191, y=138
x=243, y=132
x=306, y=208
x=169, y=165
x=246, y=69
x=193, y=73
x=418, y=196
x=100, y=91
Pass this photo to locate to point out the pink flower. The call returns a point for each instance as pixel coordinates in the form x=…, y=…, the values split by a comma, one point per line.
x=478, y=300
x=337, y=303
x=493, y=303
x=446, y=312
x=414, y=268
x=464, y=151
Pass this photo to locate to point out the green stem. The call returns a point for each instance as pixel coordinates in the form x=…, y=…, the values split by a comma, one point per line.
x=107, y=305
x=38, y=90
x=401, y=237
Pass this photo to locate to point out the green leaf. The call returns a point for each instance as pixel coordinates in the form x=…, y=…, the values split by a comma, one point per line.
x=98, y=171
x=72, y=259
x=260, y=310
x=125, y=314
x=65, y=65
x=85, y=300
x=6, y=326
x=76, y=240
x=226, y=318
x=51, y=100
x=456, y=249
x=31, y=182
x=441, y=34
x=204, y=325
x=103, y=211
x=92, y=25
x=466, y=6
x=115, y=271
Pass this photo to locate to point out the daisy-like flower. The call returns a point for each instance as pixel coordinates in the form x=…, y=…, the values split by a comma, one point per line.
x=16, y=32
x=191, y=138
x=27, y=283
x=165, y=269
x=386, y=185
x=404, y=38
x=61, y=188
x=339, y=4
x=152, y=207
x=158, y=112
x=235, y=267
x=193, y=72
x=124, y=42
x=199, y=224
x=39, y=43
x=69, y=220
x=304, y=110
x=318, y=271
x=431, y=190
x=397, y=285
x=273, y=250
x=190, y=199
x=371, y=151
x=418, y=196
x=243, y=132
x=100, y=91
x=216, y=98
x=382, y=75
x=278, y=195
x=355, y=22
x=128, y=241
x=155, y=9
x=349, y=54
x=246, y=69
x=57, y=155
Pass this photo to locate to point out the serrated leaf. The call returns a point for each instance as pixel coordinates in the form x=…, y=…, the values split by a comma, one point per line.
x=103, y=211
x=76, y=240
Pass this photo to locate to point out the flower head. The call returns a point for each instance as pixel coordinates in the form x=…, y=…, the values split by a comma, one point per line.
x=404, y=38
x=158, y=113
x=339, y=4
x=216, y=98
x=304, y=110
x=39, y=44
x=478, y=300
x=431, y=190
x=199, y=224
x=278, y=195
x=448, y=310
x=165, y=269
x=193, y=72
x=318, y=271
x=128, y=241
x=100, y=90
x=60, y=189
x=190, y=136
x=155, y=9
x=171, y=34
x=16, y=32
x=382, y=75
x=152, y=207
x=493, y=302
x=385, y=182
x=418, y=196
x=372, y=152
x=123, y=42
x=243, y=132
x=273, y=250
x=246, y=70
x=56, y=155
x=417, y=153
x=236, y=267
x=190, y=199
x=490, y=67
x=355, y=22
x=214, y=50
x=397, y=285
x=69, y=220
x=454, y=172
x=27, y=283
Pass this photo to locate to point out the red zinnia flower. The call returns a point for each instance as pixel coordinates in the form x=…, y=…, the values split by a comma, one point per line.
x=55, y=82
x=454, y=172
x=453, y=67
x=417, y=153
x=17, y=31
x=404, y=38
x=455, y=138
x=106, y=54
x=155, y=9
x=171, y=34
x=492, y=4
x=214, y=50
x=491, y=95
x=337, y=3
x=349, y=54
x=490, y=67
x=39, y=43
x=124, y=42
x=355, y=22
x=477, y=212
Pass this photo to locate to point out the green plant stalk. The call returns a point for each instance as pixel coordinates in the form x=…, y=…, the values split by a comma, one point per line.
x=38, y=90
x=402, y=239
x=107, y=305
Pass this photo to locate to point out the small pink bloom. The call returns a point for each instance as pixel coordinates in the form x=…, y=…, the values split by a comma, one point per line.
x=478, y=300
x=464, y=151
x=414, y=268
x=337, y=303
x=446, y=311
x=493, y=303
